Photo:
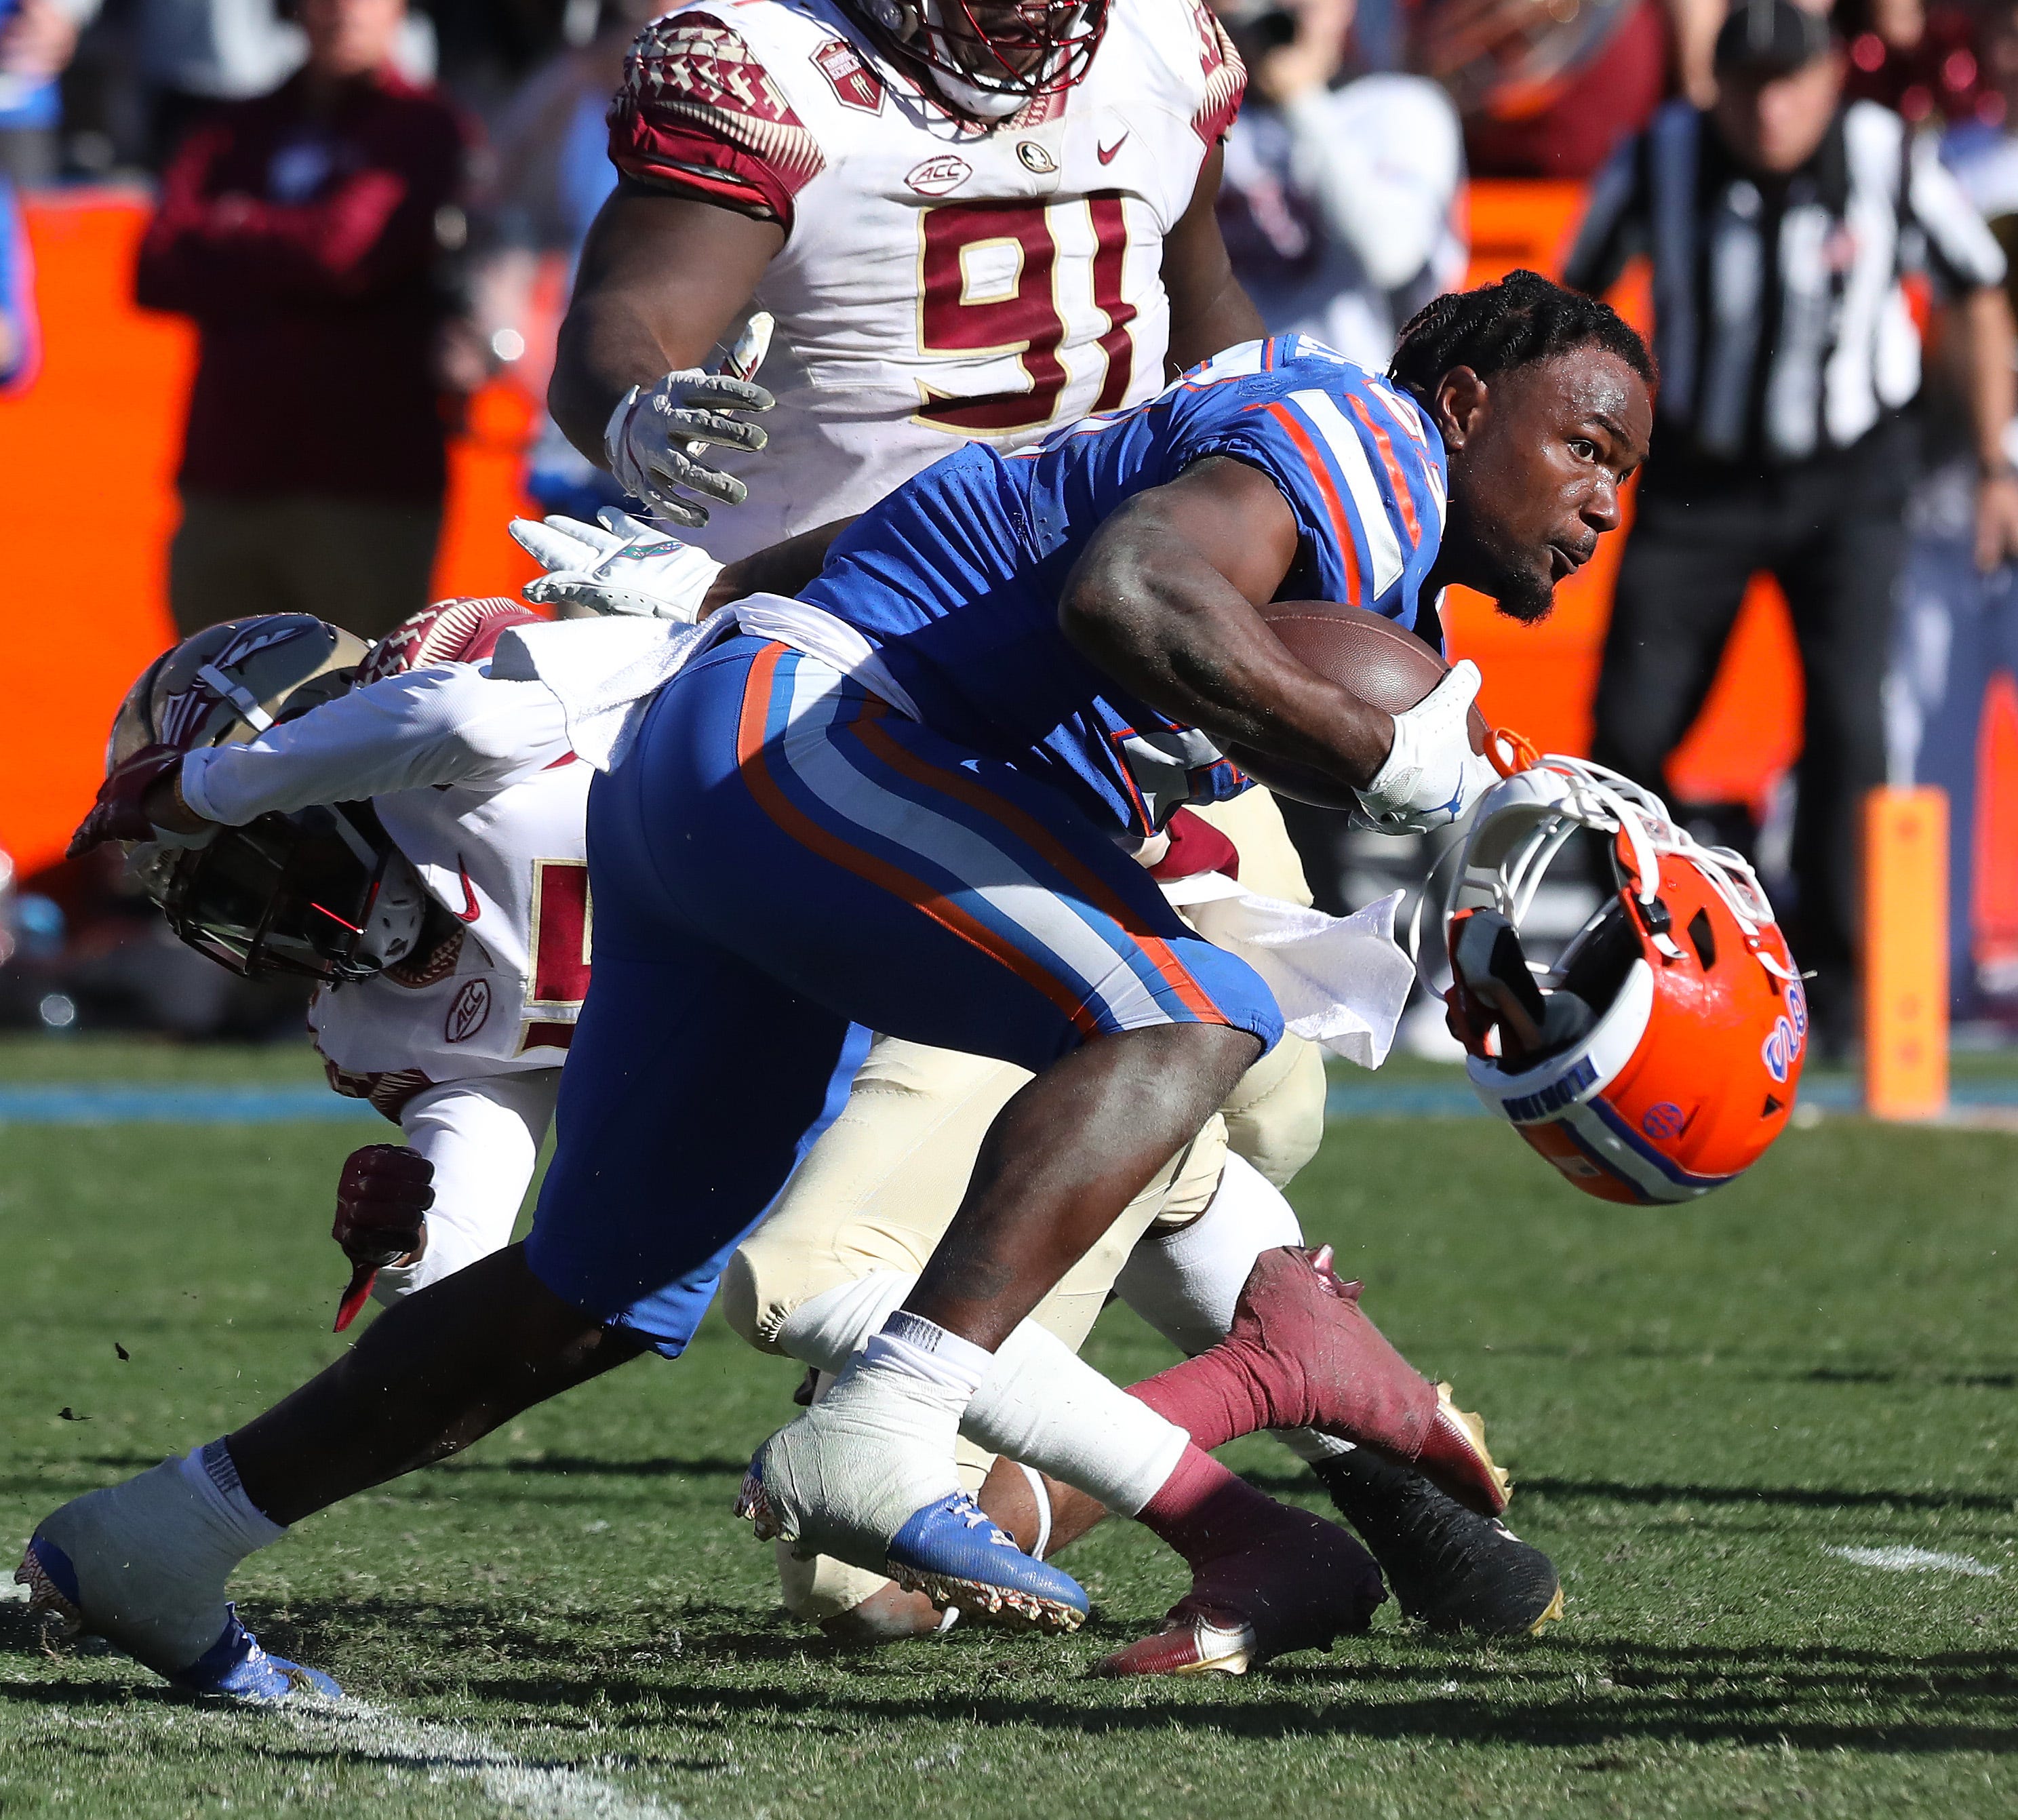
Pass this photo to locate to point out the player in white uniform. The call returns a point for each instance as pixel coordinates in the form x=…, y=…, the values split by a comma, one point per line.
x=460, y=1043
x=949, y=249
x=450, y=1009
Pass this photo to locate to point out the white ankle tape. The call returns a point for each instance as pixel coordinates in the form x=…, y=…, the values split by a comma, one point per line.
x=1089, y=1434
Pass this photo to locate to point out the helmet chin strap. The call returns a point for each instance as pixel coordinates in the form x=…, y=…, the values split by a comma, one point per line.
x=988, y=104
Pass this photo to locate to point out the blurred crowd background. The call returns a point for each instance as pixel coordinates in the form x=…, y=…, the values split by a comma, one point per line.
x=368, y=210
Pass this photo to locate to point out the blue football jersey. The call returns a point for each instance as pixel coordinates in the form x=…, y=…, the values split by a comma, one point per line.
x=955, y=576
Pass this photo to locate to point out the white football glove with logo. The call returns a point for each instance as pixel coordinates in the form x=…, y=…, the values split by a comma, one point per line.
x=618, y=566
x=1431, y=776
x=658, y=437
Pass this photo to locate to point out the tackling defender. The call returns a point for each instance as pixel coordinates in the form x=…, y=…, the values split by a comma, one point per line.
x=450, y=1004
x=325, y=782
x=778, y=850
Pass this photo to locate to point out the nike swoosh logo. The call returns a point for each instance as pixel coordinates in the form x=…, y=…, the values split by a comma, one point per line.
x=1106, y=153
x=469, y=912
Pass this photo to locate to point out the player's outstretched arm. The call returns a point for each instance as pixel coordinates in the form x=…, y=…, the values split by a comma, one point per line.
x=1163, y=601
x=618, y=566
x=447, y=725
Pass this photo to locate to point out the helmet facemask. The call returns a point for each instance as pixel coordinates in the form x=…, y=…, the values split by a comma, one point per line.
x=988, y=59
x=321, y=893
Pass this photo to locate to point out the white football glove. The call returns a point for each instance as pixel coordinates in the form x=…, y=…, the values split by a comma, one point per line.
x=1431, y=776
x=658, y=436
x=620, y=567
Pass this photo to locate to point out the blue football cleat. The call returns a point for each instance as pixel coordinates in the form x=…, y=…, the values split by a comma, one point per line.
x=953, y=1554
x=237, y=1668
x=234, y=1667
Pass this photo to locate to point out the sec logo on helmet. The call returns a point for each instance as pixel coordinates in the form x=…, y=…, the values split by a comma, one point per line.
x=1665, y=1120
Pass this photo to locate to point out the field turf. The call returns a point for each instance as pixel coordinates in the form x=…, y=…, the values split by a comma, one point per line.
x=1702, y=1408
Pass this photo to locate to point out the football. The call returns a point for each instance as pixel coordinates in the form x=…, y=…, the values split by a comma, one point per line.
x=1380, y=662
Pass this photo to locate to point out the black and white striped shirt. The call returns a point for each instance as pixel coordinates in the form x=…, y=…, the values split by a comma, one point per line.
x=1780, y=323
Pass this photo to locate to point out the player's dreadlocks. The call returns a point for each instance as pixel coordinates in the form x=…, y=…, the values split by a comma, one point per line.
x=1524, y=317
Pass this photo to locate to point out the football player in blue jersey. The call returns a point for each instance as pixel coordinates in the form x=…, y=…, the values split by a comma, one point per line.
x=905, y=797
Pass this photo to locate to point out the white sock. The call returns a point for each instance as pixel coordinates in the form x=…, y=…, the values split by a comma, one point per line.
x=214, y=1474
x=828, y=1330
x=1044, y=1405
x=152, y=1555
x=914, y=1346
x=1038, y=1403
x=1185, y=1283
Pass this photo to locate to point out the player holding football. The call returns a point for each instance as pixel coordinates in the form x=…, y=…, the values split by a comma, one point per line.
x=967, y=223
x=323, y=810
x=837, y=811
x=463, y=785
x=438, y=751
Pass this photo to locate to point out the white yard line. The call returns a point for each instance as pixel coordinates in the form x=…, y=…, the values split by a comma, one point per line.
x=1897, y=1557
x=540, y=1791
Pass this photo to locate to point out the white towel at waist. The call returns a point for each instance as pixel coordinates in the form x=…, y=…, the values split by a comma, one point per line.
x=1341, y=982
x=604, y=672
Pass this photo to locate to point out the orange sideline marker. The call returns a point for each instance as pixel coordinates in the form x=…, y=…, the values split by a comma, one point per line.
x=1906, y=953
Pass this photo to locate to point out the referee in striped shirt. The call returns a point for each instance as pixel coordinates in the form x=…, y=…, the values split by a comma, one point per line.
x=1780, y=225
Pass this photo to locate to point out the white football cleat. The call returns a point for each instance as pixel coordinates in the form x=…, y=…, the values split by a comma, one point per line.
x=866, y=1475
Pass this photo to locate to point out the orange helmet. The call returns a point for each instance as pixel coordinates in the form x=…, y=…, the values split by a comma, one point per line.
x=1660, y=1055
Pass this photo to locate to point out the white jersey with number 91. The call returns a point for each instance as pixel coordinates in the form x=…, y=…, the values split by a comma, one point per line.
x=938, y=282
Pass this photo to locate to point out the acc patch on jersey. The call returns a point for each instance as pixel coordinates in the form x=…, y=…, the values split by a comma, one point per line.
x=468, y=1012
x=940, y=176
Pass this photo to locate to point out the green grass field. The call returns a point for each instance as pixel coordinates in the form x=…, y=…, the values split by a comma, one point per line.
x=1701, y=1408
